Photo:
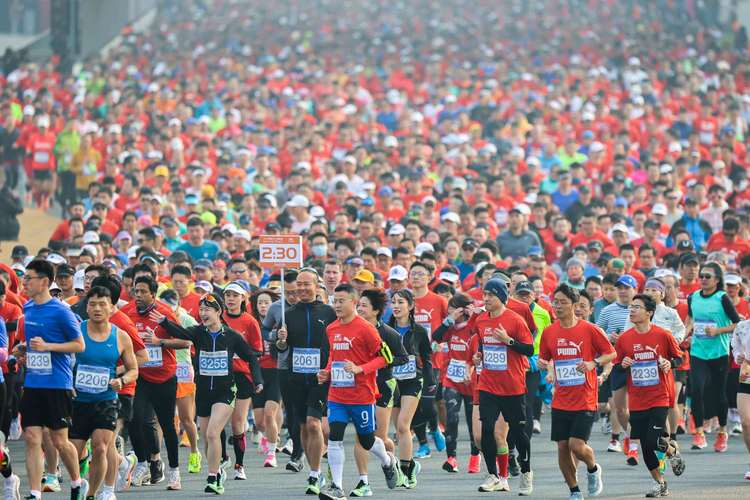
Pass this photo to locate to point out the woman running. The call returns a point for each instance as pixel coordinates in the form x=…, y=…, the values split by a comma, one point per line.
x=412, y=377
x=215, y=346
x=741, y=351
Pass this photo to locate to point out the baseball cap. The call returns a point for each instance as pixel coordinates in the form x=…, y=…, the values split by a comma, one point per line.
x=595, y=245
x=365, y=276
x=298, y=201
x=524, y=287
x=66, y=270
x=354, y=260
x=522, y=208
x=452, y=217
x=396, y=230
x=627, y=280
x=470, y=244
x=236, y=287
x=620, y=227
x=205, y=286
x=659, y=209
x=685, y=245
x=688, y=258
x=398, y=273
x=203, y=264
x=422, y=248
x=19, y=252
x=385, y=251
x=56, y=259
x=617, y=263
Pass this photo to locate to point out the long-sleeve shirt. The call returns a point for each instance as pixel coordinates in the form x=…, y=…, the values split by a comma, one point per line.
x=667, y=318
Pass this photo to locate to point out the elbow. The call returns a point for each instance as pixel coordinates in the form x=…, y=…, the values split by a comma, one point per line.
x=80, y=346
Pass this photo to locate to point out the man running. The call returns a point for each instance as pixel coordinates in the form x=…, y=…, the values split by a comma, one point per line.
x=569, y=351
x=354, y=357
x=52, y=334
x=647, y=353
x=505, y=342
x=96, y=384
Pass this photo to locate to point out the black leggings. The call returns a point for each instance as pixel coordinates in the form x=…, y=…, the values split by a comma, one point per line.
x=453, y=400
x=708, y=393
x=11, y=399
x=733, y=382
x=161, y=399
x=648, y=426
x=425, y=414
x=513, y=410
x=292, y=425
x=532, y=391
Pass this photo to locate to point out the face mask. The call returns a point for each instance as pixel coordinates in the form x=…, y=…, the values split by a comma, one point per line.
x=319, y=250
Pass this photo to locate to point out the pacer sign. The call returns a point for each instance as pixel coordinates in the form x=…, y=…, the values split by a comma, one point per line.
x=281, y=251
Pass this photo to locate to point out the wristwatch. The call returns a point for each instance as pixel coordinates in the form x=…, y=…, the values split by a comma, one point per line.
x=598, y=365
x=511, y=342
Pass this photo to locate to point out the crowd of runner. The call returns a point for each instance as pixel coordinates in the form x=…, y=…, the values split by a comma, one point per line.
x=539, y=207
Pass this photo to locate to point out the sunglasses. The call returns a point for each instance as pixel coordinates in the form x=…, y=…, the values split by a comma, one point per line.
x=706, y=276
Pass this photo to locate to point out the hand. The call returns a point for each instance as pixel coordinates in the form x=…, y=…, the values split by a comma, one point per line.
x=664, y=364
x=151, y=339
x=19, y=350
x=457, y=313
x=38, y=344
x=550, y=378
x=542, y=364
x=352, y=368
x=476, y=358
x=711, y=331
x=470, y=310
x=601, y=379
x=323, y=376
x=745, y=370
x=626, y=362
x=739, y=359
x=156, y=316
x=686, y=342
x=116, y=384
x=500, y=334
x=614, y=337
x=586, y=366
x=258, y=388
x=282, y=335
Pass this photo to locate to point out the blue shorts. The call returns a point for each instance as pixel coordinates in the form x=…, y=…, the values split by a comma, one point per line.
x=362, y=416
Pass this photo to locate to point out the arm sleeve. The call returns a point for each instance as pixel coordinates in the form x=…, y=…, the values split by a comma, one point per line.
x=269, y=323
x=678, y=327
x=440, y=332
x=393, y=340
x=425, y=353
x=729, y=309
x=690, y=305
x=177, y=331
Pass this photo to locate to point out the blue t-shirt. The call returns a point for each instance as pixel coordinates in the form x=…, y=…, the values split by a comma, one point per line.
x=207, y=250
x=54, y=322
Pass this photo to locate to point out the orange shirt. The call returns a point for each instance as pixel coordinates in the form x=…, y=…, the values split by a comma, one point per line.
x=567, y=347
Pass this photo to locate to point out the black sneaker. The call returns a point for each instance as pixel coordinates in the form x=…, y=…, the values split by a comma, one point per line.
x=513, y=468
x=157, y=471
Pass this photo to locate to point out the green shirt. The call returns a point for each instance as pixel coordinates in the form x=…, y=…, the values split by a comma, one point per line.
x=68, y=142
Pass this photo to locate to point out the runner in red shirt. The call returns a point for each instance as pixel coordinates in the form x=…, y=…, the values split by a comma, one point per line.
x=569, y=350
x=648, y=353
x=505, y=342
x=355, y=356
x=40, y=149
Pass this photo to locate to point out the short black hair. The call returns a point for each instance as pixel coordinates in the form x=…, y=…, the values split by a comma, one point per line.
x=377, y=298
x=111, y=283
x=568, y=291
x=99, y=291
x=43, y=268
x=149, y=281
x=610, y=279
x=648, y=303
x=347, y=288
x=180, y=269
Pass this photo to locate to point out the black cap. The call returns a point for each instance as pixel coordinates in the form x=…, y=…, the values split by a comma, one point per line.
x=524, y=287
x=66, y=270
x=595, y=245
x=688, y=258
x=652, y=224
x=685, y=245
x=272, y=226
x=470, y=243
x=19, y=252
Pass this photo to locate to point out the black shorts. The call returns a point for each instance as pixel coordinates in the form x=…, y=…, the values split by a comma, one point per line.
x=512, y=408
x=642, y=422
x=387, y=389
x=245, y=388
x=743, y=388
x=618, y=378
x=411, y=387
x=205, y=399
x=681, y=376
x=88, y=417
x=605, y=390
x=271, y=388
x=571, y=424
x=42, y=175
x=126, y=408
x=51, y=408
x=308, y=400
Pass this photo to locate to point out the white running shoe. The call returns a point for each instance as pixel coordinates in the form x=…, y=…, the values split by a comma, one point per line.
x=491, y=483
x=614, y=446
x=596, y=485
x=11, y=488
x=173, y=479
x=526, y=487
x=239, y=473
x=125, y=472
x=141, y=474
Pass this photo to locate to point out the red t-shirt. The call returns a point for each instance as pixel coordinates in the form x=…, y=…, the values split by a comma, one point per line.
x=249, y=329
x=686, y=289
x=429, y=312
x=191, y=303
x=566, y=347
x=503, y=369
x=648, y=386
x=124, y=323
x=458, y=358
x=523, y=310
x=359, y=342
x=156, y=371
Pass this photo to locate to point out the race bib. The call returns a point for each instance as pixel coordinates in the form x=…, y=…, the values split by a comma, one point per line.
x=406, y=371
x=699, y=329
x=154, y=356
x=41, y=157
x=306, y=360
x=213, y=363
x=644, y=373
x=456, y=371
x=92, y=379
x=39, y=363
x=567, y=374
x=341, y=377
x=184, y=372
x=495, y=357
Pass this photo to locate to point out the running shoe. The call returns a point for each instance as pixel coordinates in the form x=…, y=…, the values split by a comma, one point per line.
x=141, y=475
x=536, y=427
x=699, y=441
x=439, y=439
x=82, y=491
x=423, y=451
x=526, y=487
x=606, y=426
x=263, y=445
x=295, y=465
x=125, y=472
x=614, y=446
x=474, y=464
x=680, y=426
x=504, y=486
x=194, y=462
x=361, y=490
x=747, y=474
x=215, y=484
x=450, y=465
x=411, y=481
x=576, y=495
x=314, y=485
x=51, y=484
x=173, y=479
x=156, y=468
x=513, y=468
x=632, y=457
x=595, y=483
x=491, y=483
x=332, y=492
x=11, y=488
x=677, y=463
x=736, y=428
x=391, y=472
x=270, y=460
x=721, y=444
x=239, y=473
x=658, y=490
x=288, y=447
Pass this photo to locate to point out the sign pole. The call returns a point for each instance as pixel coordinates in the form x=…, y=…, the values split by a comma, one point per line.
x=283, y=306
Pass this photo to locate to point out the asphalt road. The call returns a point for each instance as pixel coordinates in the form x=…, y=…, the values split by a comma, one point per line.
x=709, y=475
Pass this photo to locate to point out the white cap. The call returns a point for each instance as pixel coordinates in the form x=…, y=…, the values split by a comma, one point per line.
x=43, y=121
x=132, y=251
x=396, y=230
x=304, y=165
x=298, y=200
x=385, y=251
x=634, y=61
x=90, y=249
x=175, y=122
x=596, y=147
x=390, y=142
x=90, y=237
x=422, y=248
x=665, y=168
x=533, y=160
x=350, y=159
x=620, y=227
x=115, y=128
x=230, y=228
x=523, y=208
x=54, y=286
x=452, y=217
x=28, y=110
x=244, y=234
x=659, y=209
x=17, y=266
x=317, y=212
x=78, y=279
x=235, y=287
x=204, y=285
x=732, y=279
x=398, y=273
x=587, y=117
x=56, y=259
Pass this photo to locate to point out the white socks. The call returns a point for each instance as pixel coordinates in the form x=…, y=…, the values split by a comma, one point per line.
x=336, y=457
x=378, y=449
